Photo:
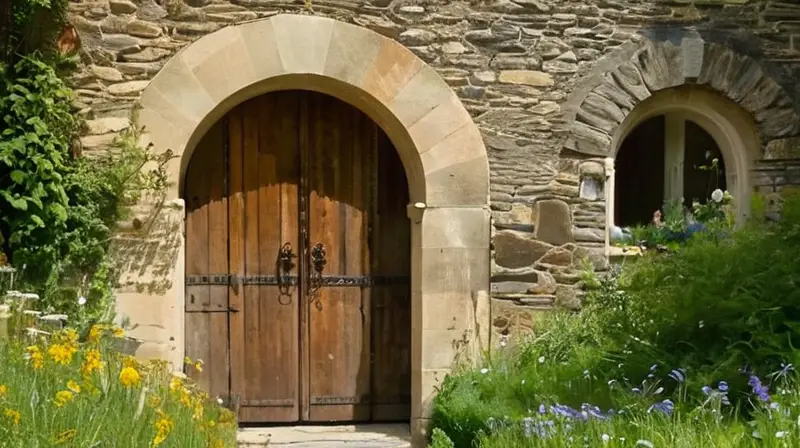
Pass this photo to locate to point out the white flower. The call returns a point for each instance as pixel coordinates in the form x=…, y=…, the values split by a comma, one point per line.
x=541, y=359
x=780, y=434
x=717, y=195
x=484, y=370
x=81, y=300
x=219, y=400
x=605, y=438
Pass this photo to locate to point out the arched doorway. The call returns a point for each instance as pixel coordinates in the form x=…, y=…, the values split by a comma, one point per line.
x=298, y=263
x=664, y=159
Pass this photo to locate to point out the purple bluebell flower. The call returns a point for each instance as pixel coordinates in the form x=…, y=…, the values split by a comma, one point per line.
x=723, y=386
x=707, y=390
x=761, y=391
x=542, y=409
x=679, y=375
x=593, y=412
x=665, y=407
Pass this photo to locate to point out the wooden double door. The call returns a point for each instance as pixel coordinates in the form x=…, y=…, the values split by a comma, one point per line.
x=298, y=263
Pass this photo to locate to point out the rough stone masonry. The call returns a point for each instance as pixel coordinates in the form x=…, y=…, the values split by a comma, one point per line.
x=547, y=82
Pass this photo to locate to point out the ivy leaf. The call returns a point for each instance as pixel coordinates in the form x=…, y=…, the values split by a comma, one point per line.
x=17, y=203
x=59, y=211
x=18, y=176
x=37, y=220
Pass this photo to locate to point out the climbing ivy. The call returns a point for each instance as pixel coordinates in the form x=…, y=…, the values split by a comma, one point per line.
x=58, y=210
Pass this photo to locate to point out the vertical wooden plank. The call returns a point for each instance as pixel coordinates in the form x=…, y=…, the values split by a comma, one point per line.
x=339, y=372
x=304, y=130
x=391, y=307
x=218, y=363
x=236, y=241
x=252, y=310
x=197, y=195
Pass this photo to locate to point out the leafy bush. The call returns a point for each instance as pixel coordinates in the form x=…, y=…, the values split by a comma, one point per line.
x=60, y=211
x=58, y=391
x=717, y=309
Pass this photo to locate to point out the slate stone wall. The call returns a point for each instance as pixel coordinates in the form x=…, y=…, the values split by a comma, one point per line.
x=547, y=82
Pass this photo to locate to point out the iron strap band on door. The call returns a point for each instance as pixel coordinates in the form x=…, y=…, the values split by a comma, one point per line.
x=326, y=280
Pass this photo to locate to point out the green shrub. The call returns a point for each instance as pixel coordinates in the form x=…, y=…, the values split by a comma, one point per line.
x=722, y=302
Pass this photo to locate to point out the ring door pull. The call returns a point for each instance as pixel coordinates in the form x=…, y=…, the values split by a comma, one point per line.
x=285, y=265
x=318, y=262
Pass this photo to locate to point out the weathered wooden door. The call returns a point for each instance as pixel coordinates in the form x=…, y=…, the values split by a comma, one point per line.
x=298, y=289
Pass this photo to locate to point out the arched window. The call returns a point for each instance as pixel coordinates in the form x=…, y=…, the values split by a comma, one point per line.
x=664, y=151
x=664, y=159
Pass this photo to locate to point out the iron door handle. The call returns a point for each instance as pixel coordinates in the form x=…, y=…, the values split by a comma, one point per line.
x=318, y=261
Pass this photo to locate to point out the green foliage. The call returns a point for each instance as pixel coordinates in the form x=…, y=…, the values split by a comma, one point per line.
x=34, y=148
x=718, y=303
x=440, y=440
x=59, y=212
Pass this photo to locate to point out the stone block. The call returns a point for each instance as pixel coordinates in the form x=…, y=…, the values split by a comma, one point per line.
x=448, y=310
x=423, y=93
x=435, y=126
x=303, y=42
x=352, y=53
x=553, y=222
x=394, y=67
x=780, y=149
x=516, y=249
x=455, y=227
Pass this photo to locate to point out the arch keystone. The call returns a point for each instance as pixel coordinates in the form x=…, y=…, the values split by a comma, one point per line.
x=303, y=42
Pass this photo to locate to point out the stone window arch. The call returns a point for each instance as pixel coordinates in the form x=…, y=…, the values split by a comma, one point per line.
x=729, y=95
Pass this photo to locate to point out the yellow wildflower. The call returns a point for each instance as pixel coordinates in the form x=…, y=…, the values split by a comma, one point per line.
x=226, y=416
x=66, y=436
x=186, y=397
x=155, y=401
x=91, y=362
x=130, y=361
x=3, y=390
x=163, y=427
x=187, y=360
x=175, y=383
x=129, y=377
x=95, y=333
x=68, y=336
x=198, y=365
x=35, y=356
x=197, y=412
x=73, y=386
x=63, y=397
x=61, y=353
x=13, y=415
x=118, y=332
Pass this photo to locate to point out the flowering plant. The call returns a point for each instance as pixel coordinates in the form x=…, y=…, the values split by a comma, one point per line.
x=55, y=390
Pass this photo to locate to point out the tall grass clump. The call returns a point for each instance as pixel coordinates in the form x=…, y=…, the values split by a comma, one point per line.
x=689, y=348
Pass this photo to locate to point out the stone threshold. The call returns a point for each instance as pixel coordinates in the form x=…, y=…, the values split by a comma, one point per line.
x=375, y=435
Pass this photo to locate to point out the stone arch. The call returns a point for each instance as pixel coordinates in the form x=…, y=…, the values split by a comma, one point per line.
x=440, y=147
x=656, y=66
x=727, y=93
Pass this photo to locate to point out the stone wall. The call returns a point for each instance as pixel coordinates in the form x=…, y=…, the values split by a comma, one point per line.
x=535, y=76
